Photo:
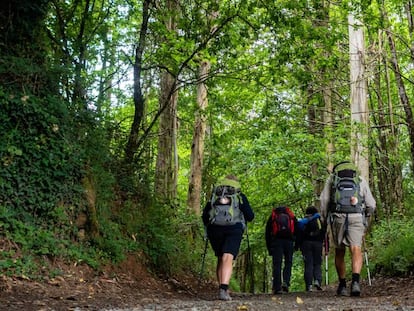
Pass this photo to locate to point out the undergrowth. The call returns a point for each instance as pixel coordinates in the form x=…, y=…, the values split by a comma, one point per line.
x=393, y=247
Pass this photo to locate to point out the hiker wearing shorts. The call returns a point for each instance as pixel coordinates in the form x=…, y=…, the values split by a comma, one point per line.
x=347, y=228
x=225, y=240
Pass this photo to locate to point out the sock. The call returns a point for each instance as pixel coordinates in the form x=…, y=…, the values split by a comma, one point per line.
x=355, y=277
x=342, y=282
x=224, y=286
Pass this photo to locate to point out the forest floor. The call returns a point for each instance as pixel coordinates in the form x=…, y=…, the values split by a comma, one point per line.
x=133, y=288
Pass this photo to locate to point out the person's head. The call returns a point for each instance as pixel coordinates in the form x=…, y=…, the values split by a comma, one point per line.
x=345, y=169
x=232, y=177
x=230, y=180
x=280, y=208
x=311, y=210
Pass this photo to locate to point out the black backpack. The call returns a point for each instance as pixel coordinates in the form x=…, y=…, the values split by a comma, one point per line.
x=345, y=191
x=313, y=228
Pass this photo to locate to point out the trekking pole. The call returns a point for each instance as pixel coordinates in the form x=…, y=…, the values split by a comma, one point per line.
x=249, y=252
x=203, y=257
x=366, y=261
x=326, y=242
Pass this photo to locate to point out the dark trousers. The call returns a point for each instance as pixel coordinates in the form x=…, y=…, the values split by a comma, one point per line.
x=312, y=255
x=282, y=249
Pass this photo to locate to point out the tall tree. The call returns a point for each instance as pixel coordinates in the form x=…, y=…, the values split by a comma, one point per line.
x=359, y=104
x=138, y=97
x=197, y=147
x=167, y=163
x=200, y=125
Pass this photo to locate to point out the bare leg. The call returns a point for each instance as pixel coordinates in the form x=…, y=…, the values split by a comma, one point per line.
x=218, y=269
x=357, y=260
x=340, y=262
x=225, y=268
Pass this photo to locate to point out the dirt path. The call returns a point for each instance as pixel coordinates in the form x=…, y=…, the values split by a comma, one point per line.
x=130, y=287
x=128, y=294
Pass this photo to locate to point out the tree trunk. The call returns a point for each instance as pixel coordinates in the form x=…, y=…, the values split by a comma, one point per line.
x=197, y=147
x=389, y=172
x=139, y=102
x=166, y=166
x=402, y=94
x=359, y=104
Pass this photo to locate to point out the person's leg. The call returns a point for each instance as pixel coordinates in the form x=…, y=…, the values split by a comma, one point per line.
x=356, y=231
x=357, y=260
x=308, y=260
x=287, y=269
x=218, y=268
x=317, y=264
x=340, y=270
x=356, y=255
x=226, y=269
x=277, y=256
x=229, y=248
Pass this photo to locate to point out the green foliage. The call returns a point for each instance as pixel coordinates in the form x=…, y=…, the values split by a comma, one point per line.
x=40, y=165
x=393, y=247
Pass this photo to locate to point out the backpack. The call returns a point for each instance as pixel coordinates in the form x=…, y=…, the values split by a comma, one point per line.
x=345, y=191
x=283, y=222
x=313, y=228
x=225, y=205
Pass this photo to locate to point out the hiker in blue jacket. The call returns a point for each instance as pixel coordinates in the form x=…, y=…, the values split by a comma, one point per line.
x=225, y=236
x=309, y=239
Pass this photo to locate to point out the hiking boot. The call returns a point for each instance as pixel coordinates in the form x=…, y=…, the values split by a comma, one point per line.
x=308, y=288
x=318, y=285
x=224, y=295
x=355, y=289
x=341, y=291
x=277, y=292
x=285, y=288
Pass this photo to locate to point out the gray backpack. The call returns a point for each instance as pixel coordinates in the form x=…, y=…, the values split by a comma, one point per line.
x=225, y=206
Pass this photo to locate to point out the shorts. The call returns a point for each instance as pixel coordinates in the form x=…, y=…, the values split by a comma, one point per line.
x=347, y=229
x=225, y=239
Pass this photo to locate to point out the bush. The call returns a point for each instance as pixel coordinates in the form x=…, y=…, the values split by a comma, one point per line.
x=392, y=247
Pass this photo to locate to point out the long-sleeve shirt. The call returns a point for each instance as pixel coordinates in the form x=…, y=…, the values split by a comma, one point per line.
x=245, y=208
x=365, y=192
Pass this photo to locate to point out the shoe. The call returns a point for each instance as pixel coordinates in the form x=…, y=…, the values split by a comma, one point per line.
x=224, y=295
x=277, y=292
x=355, y=289
x=285, y=288
x=318, y=285
x=308, y=288
x=341, y=291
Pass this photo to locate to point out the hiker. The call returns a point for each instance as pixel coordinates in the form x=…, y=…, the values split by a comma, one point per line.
x=346, y=202
x=309, y=239
x=224, y=216
x=280, y=235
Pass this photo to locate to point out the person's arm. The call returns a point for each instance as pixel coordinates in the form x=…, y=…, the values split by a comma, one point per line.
x=268, y=234
x=324, y=200
x=206, y=214
x=246, y=208
x=370, y=203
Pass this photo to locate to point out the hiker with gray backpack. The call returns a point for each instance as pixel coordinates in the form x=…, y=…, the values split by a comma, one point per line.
x=224, y=217
x=346, y=202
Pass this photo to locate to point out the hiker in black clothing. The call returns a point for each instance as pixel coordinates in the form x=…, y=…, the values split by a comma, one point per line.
x=309, y=239
x=280, y=236
x=225, y=237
